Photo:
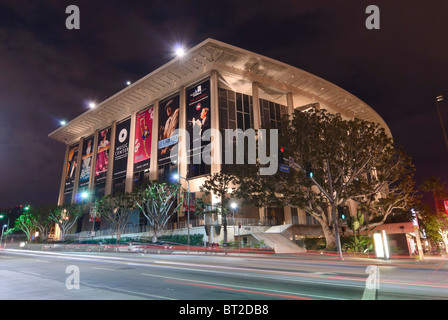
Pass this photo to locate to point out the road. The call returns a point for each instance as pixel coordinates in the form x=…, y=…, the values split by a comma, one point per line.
x=35, y=275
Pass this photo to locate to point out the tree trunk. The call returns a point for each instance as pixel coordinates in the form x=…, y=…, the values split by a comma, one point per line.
x=118, y=235
x=330, y=238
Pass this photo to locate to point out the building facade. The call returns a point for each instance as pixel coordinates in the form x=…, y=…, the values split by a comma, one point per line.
x=129, y=138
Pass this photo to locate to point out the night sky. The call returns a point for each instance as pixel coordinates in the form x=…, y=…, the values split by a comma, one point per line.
x=49, y=73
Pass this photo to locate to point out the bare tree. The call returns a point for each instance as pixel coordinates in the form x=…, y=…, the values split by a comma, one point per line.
x=66, y=217
x=117, y=210
x=158, y=203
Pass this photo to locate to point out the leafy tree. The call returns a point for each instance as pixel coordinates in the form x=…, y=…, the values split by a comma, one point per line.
x=437, y=224
x=117, y=209
x=350, y=159
x=434, y=186
x=159, y=202
x=66, y=216
x=26, y=223
x=42, y=220
x=435, y=221
x=392, y=190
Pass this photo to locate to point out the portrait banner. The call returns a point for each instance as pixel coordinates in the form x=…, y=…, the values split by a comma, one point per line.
x=102, y=156
x=142, y=144
x=169, y=123
x=71, y=168
x=86, y=162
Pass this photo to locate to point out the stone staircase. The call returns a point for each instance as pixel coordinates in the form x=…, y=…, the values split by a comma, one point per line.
x=278, y=238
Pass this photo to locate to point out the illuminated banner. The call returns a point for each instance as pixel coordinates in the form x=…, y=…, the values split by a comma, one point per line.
x=94, y=215
x=142, y=145
x=71, y=168
x=169, y=122
x=192, y=201
x=445, y=204
x=102, y=156
x=86, y=162
x=121, y=149
x=198, y=115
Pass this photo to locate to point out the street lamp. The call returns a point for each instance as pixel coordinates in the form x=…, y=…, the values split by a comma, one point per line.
x=439, y=98
x=3, y=229
x=178, y=177
x=180, y=51
x=234, y=206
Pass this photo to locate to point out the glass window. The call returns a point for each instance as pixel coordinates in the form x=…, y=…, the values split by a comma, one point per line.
x=239, y=102
x=166, y=172
x=99, y=190
x=119, y=185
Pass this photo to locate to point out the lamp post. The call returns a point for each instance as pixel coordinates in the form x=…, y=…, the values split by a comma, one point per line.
x=439, y=98
x=178, y=177
x=3, y=229
x=234, y=206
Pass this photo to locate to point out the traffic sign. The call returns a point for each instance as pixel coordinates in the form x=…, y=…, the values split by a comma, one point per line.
x=284, y=168
x=291, y=162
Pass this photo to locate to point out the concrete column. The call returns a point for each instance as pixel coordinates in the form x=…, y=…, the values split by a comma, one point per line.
x=93, y=162
x=153, y=167
x=216, y=143
x=302, y=216
x=110, y=163
x=130, y=168
x=290, y=104
x=182, y=144
x=64, y=169
x=78, y=170
x=287, y=214
x=256, y=105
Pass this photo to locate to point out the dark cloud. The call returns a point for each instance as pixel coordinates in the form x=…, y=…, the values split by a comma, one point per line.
x=48, y=72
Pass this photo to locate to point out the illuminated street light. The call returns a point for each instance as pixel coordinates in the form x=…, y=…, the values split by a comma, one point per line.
x=92, y=105
x=128, y=83
x=180, y=52
x=62, y=122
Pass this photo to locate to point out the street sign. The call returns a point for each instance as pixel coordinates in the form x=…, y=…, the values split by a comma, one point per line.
x=291, y=162
x=192, y=202
x=284, y=168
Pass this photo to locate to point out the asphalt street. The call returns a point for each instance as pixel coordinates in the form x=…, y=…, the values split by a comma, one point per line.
x=36, y=275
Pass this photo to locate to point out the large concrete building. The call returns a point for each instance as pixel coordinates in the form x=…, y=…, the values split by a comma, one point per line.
x=125, y=140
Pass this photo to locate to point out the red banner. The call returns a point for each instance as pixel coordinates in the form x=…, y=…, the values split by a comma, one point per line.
x=445, y=204
x=142, y=146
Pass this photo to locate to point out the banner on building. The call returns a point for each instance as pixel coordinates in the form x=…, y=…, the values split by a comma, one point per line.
x=71, y=168
x=198, y=116
x=86, y=162
x=102, y=156
x=121, y=149
x=142, y=144
x=445, y=204
x=169, y=123
x=189, y=201
x=94, y=215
